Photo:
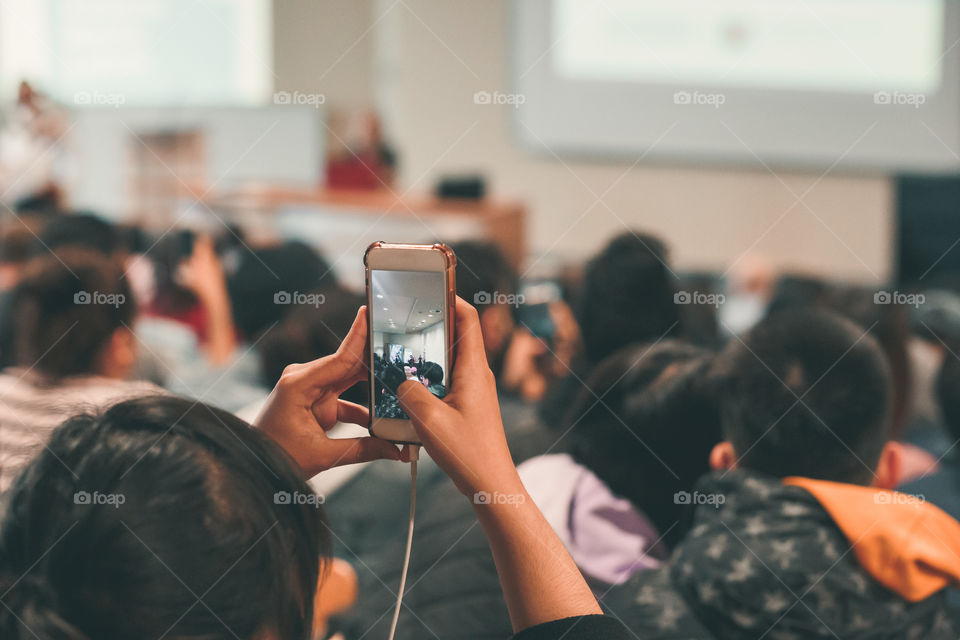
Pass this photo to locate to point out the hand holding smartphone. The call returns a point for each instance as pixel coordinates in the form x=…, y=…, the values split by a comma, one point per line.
x=410, y=298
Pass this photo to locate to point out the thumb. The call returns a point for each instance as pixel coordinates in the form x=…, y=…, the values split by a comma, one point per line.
x=423, y=407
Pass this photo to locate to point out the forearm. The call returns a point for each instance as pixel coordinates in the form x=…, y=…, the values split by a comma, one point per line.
x=221, y=333
x=539, y=579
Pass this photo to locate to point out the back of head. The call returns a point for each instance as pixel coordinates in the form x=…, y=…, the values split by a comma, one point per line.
x=627, y=296
x=650, y=433
x=65, y=311
x=265, y=275
x=806, y=393
x=159, y=518
x=482, y=271
x=83, y=230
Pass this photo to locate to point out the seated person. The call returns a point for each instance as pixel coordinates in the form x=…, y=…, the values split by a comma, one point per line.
x=643, y=434
x=626, y=298
x=943, y=487
x=431, y=374
x=797, y=533
x=72, y=319
x=109, y=535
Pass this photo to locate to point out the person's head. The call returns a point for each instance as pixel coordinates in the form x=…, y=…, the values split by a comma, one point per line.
x=267, y=278
x=948, y=390
x=160, y=517
x=889, y=324
x=72, y=314
x=807, y=393
x=82, y=230
x=485, y=279
x=651, y=433
x=308, y=332
x=18, y=237
x=432, y=373
x=627, y=296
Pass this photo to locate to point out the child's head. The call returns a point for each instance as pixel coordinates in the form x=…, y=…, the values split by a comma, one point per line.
x=160, y=517
x=806, y=393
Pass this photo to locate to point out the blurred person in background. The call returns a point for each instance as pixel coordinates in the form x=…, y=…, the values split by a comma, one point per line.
x=797, y=486
x=613, y=498
x=486, y=279
x=72, y=323
x=18, y=235
x=626, y=297
x=750, y=285
x=943, y=487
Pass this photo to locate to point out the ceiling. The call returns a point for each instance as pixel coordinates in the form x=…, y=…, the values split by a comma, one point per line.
x=406, y=301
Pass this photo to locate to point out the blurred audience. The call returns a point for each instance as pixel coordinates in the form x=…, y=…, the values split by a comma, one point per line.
x=802, y=478
x=72, y=323
x=642, y=436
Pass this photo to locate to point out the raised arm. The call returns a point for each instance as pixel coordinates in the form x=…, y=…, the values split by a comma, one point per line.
x=463, y=433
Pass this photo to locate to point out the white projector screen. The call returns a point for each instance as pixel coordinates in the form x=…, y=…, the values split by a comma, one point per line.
x=861, y=84
x=138, y=52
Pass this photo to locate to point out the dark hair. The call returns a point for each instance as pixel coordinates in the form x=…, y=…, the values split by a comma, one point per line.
x=80, y=229
x=159, y=517
x=391, y=377
x=948, y=389
x=432, y=371
x=66, y=307
x=650, y=433
x=309, y=332
x=289, y=268
x=482, y=269
x=627, y=296
x=807, y=393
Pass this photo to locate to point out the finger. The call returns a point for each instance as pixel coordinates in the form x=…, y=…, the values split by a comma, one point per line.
x=344, y=368
x=342, y=451
x=353, y=413
x=423, y=407
x=469, y=350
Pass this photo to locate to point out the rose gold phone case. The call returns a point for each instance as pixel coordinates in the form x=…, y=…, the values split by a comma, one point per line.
x=450, y=277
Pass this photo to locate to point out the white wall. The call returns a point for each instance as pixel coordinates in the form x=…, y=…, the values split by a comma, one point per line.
x=429, y=58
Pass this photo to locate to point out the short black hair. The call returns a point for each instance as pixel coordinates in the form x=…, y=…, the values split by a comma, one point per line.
x=65, y=309
x=645, y=424
x=482, y=271
x=292, y=267
x=80, y=229
x=948, y=389
x=627, y=296
x=806, y=393
x=128, y=516
x=432, y=371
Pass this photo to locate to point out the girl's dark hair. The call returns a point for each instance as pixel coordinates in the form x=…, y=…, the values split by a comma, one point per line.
x=160, y=517
x=645, y=425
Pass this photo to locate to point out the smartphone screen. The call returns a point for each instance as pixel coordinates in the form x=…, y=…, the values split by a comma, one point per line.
x=408, y=335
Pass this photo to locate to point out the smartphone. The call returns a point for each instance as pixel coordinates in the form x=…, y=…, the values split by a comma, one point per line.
x=534, y=313
x=411, y=291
